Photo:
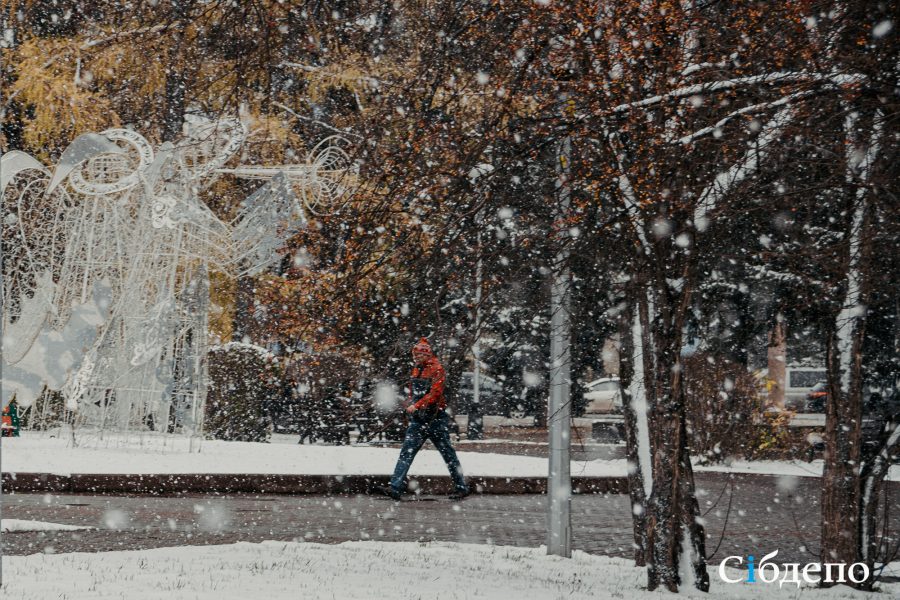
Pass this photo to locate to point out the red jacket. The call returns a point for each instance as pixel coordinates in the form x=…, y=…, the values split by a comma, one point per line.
x=430, y=369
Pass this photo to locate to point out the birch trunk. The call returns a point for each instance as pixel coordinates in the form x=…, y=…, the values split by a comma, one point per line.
x=637, y=442
x=676, y=537
x=842, y=529
x=872, y=478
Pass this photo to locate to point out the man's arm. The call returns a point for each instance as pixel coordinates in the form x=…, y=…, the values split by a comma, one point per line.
x=437, y=389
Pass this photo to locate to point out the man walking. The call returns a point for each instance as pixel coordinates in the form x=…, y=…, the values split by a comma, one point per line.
x=427, y=420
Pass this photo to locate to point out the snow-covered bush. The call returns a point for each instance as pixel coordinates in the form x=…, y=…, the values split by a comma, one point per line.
x=243, y=380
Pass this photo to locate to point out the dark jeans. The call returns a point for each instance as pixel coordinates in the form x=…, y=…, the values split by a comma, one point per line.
x=436, y=429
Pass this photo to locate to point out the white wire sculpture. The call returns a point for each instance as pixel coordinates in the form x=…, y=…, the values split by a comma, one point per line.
x=107, y=259
x=320, y=181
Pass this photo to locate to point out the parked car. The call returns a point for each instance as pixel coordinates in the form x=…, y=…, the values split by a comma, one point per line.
x=526, y=404
x=816, y=398
x=799, y=382
x=603, y=396
x=490, y=394
x=877, y=402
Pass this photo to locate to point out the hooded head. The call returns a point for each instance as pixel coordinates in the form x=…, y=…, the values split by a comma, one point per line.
x=422, y=350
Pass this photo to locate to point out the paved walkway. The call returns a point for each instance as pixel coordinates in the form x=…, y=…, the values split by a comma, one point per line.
x=766, y=513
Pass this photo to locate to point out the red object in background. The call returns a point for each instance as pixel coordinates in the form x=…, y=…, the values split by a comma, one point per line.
x=9, y=427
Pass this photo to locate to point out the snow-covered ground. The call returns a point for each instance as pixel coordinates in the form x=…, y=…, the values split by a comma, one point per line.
x=357, y=570
x=38, y=453
x=13, y=525
x=791, y=468
x=41, y=453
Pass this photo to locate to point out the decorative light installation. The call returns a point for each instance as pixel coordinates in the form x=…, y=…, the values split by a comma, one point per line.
x=107, y=260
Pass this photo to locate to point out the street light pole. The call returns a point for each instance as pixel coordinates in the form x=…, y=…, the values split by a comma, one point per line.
x=559, y=483
x=475, y=428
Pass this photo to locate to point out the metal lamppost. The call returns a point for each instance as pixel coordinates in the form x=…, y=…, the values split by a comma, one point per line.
x=475, y=428
x=559, y=482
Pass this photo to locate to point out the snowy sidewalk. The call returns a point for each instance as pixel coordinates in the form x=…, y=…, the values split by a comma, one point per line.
x=38, y=453
x=164, y=464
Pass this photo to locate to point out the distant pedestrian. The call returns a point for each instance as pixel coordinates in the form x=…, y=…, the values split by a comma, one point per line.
x=428, y=420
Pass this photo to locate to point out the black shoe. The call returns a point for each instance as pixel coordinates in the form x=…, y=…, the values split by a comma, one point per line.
x=387, y=491
x=459, y=494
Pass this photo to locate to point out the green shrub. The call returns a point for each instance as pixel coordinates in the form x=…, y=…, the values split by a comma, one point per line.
x=242, y=381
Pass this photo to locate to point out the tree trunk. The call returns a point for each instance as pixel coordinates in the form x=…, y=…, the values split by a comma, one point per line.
x=173, y=113
x=840, y=479
x=541, y=407
x=176, y=76
x=631, y=373
x=692, y=525
x=673, y=528
x=777, y=357
x=874, y=471
x=242, y=326
x=663, y=531
x=844, y=523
